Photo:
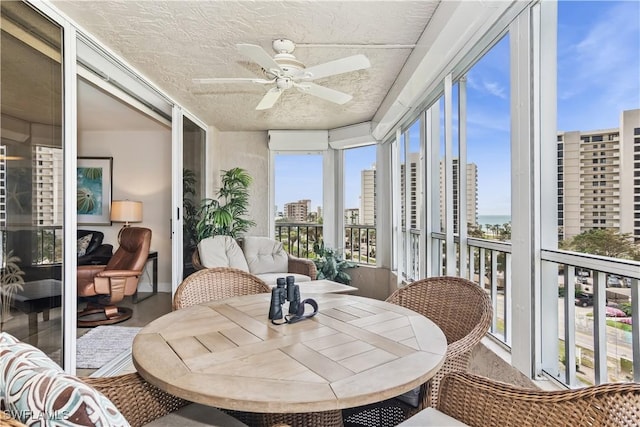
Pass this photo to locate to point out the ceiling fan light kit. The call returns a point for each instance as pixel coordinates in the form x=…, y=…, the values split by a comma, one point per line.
x=286, y=71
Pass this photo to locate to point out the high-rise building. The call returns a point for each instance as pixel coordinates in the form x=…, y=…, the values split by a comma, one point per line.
x=48, y=186
x=297, y=211
x=471, y=193
x=368, y=196
x=599, y=179
x=415, y=189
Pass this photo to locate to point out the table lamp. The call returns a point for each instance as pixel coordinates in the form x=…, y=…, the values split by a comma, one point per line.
x=126, y=211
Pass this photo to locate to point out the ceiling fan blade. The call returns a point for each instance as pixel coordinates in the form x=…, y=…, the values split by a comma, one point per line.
x=259, y=55
x=339, y=66
x=269, y=99
x=324, y=92
x=231, y=80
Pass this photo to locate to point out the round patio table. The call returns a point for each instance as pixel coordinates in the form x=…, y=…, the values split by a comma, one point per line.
x=227, y=354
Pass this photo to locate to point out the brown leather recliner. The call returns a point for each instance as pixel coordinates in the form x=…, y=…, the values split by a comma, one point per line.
x=106, y=285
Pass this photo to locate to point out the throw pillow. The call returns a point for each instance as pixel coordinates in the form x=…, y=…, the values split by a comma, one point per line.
x=265, y=255
x=25, y=351
x=221, y=251
x=12, y=349
x=38, y=393
x=83, y=244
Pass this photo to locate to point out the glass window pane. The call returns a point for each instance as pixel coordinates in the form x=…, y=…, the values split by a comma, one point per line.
x=298, y=197
x=489, y=145
x=360, y=204
x=193, y=155
x=488, y=172
x=598, y=109
x=414, y=199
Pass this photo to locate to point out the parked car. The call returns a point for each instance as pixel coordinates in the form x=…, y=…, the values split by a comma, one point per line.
x=581, y=272
x=613, y=281
x=584, y=299
x=615, y=312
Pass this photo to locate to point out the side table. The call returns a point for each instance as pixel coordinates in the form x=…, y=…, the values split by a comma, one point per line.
x=153, y=257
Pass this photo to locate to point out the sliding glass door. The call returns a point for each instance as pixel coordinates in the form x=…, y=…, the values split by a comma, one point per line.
x=31, y=178
x=193, y=186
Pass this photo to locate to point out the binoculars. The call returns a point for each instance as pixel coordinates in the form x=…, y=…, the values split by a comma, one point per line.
x=285, y=290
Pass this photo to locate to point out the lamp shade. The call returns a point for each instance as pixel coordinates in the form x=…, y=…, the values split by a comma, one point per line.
x=126, y=211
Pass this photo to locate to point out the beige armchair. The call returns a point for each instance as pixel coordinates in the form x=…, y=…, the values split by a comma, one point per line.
x=261, y=256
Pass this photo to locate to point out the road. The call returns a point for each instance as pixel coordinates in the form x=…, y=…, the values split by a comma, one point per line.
x=618, y=341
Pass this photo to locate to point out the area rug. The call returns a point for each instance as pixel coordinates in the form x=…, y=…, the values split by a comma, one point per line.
x=102, y=344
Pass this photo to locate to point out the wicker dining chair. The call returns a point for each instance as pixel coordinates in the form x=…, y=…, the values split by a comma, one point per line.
x=463, y=311
x=137, y=400
x=479, y=401
x=217, y=283
x=459, y=307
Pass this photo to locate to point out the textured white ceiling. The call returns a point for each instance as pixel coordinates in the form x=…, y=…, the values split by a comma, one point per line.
x=172, y=42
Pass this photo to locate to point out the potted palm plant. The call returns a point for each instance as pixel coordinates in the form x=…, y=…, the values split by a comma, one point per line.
x=226, y=215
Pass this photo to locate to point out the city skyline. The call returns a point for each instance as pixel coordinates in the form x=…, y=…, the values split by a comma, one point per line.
x=597, y=78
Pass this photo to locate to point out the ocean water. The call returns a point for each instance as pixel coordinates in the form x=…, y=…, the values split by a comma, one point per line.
x=493, y=219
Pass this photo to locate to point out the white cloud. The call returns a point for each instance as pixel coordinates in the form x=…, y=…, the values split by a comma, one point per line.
x=487, y=86
x=604, y=63
x=496, y=89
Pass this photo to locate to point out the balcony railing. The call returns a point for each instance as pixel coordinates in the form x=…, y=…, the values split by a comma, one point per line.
x=601, y=333
x=298, y=239
x=42, y=244
x=360, y=244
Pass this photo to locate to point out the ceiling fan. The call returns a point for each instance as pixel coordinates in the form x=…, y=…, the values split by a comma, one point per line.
x=285, y=71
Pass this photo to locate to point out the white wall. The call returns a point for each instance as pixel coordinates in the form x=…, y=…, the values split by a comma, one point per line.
x=141, y=171
x=250, y=151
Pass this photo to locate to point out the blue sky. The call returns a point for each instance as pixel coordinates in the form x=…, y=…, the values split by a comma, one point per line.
x=598, y=78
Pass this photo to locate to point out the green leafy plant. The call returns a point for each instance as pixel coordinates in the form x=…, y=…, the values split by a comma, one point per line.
x=330, y=264
x=226, y=214
x=190, y=210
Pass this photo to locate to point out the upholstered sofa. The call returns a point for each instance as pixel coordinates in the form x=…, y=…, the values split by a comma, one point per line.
x=261, y=256
x=91, y=250
x=36, y=392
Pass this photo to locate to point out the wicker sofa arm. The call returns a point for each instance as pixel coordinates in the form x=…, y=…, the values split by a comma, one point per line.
x=302, y=266
x=195, y=260
x=138, y=401
x=480, y=401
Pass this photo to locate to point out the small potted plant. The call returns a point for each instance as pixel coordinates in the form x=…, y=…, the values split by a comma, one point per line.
x=330, y=264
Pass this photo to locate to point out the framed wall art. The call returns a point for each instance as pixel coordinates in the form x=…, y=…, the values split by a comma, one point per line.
x=94, y=190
